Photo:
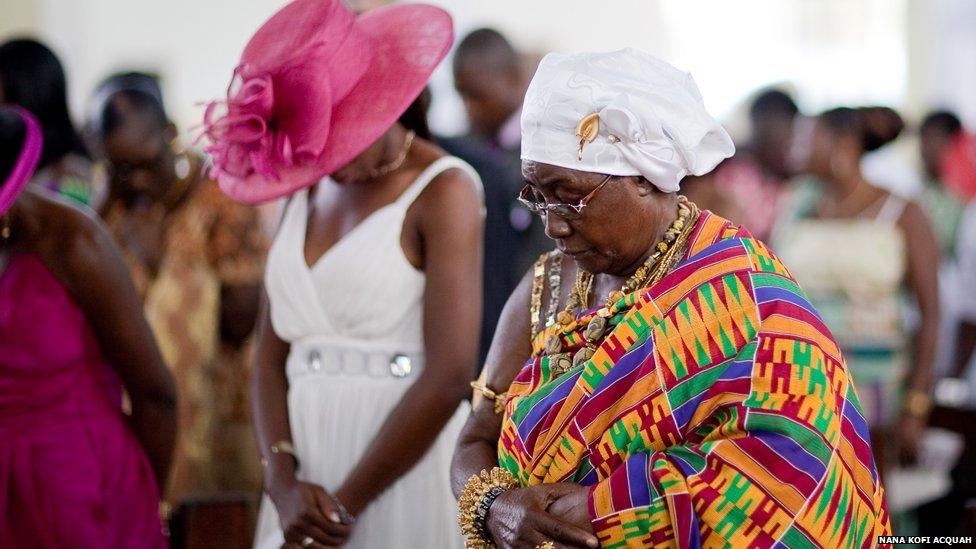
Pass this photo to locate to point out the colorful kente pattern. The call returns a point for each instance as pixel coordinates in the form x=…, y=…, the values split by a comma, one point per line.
x=717, y=413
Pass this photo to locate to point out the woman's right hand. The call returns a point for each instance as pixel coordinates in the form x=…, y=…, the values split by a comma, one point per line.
x=306, y=510
x=518, y=518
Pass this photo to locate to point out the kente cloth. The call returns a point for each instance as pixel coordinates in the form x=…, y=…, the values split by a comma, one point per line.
x=717, y=411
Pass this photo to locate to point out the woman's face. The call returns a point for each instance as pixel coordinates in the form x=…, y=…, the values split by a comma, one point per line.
x=140, y=158
x=614, y=229
x=829, y=155
x=359, y=169
x=932, y=145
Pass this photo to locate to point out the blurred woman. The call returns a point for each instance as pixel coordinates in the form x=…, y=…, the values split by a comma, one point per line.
x=373, y=281
x=196, y=257
x=74, y=471
x=31, y=76
x=859, y=251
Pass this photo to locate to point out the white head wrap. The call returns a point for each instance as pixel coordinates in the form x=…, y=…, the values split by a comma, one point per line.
x=652, y=121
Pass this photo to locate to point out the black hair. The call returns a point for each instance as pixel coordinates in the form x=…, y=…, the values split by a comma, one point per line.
x=141, y=91
x=944, y=122
x=874, y=126
x=13, y=132
x=490, y=48
x=773, y=102
x=32, y=77
x=415, y=117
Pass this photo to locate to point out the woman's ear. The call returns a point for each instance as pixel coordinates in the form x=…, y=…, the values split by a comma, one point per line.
x=170, y=133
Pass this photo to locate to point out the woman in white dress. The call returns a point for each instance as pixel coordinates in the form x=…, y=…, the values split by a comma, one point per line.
x=370, y=332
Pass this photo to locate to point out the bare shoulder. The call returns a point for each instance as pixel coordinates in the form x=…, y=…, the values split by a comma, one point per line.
x=74, y=241
x=453, y=198
x=452, y=187
x=912, y=216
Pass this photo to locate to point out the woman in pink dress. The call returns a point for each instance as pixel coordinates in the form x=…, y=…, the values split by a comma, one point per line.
x=75, y=471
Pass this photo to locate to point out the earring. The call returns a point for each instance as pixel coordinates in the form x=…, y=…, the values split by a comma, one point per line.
x=182, y=166
x=181, y=162
x=5, y=228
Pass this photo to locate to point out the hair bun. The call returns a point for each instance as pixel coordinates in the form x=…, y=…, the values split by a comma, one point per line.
x=880, y=125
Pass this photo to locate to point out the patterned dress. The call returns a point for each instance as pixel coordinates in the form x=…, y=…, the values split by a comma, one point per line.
x=718, y=411
x=210, y=242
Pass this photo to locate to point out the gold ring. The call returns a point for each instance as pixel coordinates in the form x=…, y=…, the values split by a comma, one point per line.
x=546, y=545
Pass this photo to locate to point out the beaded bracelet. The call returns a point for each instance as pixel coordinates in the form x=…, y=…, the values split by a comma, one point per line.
x=475, y=501
x=481, y=514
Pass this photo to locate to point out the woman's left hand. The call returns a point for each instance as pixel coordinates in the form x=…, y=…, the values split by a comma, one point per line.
x=573, y=508
x=910, y=430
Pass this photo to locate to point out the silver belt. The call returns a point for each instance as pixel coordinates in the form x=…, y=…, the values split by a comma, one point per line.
x=351, y=361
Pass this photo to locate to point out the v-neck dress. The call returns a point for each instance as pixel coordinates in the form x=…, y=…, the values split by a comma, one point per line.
x=354, y=320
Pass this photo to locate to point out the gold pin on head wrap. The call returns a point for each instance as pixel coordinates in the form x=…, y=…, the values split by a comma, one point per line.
x=586, y=130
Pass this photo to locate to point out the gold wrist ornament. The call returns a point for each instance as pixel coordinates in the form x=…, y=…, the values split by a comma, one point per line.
x=476, y=498
x=282, y=447
x=500, y=399
x=918, y=403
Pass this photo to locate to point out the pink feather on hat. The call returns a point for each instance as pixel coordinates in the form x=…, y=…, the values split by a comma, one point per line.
x=315, y=86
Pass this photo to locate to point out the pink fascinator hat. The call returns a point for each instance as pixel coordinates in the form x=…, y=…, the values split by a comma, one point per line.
x=26, y=163
x=316, y=85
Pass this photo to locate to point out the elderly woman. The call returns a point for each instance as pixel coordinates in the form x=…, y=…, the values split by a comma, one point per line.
x=660, y=379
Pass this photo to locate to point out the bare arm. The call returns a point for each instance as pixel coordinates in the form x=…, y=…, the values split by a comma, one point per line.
x=521, y=516
x=304, y=509
x=923, y=282
x=269, y=397
x=477, y=446
x=450, y=229
x=239, y=308
x=99, y=281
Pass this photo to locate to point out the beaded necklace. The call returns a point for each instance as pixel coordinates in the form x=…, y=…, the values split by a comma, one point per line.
x=651, y=271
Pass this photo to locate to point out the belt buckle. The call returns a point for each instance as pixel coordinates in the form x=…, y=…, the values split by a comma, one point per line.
x=314, y=360
x=400, y=365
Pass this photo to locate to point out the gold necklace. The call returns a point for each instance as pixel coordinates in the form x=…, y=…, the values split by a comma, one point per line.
x=652, y=270
x=398, y=161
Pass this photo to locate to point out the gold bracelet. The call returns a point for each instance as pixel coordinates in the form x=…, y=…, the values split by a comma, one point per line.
x=282, y=447
x=500, y=399
x=476, y=498
x=918, y=403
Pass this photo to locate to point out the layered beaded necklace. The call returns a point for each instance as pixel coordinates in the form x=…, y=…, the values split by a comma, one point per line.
x=651, y=271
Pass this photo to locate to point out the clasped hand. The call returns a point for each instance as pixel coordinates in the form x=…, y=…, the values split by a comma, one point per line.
x=528, y=517
x=306, y=510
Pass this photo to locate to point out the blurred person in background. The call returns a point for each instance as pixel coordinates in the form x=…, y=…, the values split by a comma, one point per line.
x=369, y=338
x=859, y=252
x=748, y=187
x=943, y=202
x=31, y=76
x=197, y=259
x=948, y=154
x=75, y=471
x=490, y=76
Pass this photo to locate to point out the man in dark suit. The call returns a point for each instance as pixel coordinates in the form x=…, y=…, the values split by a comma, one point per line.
x=490, y=77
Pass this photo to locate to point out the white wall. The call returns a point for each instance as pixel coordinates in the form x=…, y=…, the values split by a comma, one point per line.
x=832, y=51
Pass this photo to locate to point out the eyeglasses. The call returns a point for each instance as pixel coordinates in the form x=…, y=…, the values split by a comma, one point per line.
x=528, y=197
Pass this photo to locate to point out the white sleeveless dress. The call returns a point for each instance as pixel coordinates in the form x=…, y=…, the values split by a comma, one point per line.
x=355, y=325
